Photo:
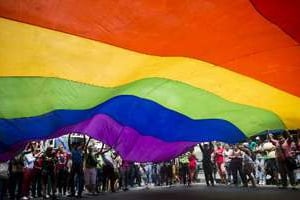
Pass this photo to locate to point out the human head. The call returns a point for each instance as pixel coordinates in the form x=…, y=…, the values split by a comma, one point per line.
x=257, y=139
x=281, y=139
x=60, y=148
x=236, y=147
x=205, y=146
x=226, y=147
x=91, y=149
x=49, y=151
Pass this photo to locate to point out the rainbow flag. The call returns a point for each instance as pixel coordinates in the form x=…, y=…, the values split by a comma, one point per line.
x=149, y=78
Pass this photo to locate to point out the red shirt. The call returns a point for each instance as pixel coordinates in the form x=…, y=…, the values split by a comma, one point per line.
x=192, y=161
x=219, y=157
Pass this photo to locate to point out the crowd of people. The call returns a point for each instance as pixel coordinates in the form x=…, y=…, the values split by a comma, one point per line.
x=58, y=172
x=261, y=161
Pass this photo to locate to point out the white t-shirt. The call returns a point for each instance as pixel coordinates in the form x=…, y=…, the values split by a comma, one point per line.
x=29, y=161
x=227, y=153
x=270, y=150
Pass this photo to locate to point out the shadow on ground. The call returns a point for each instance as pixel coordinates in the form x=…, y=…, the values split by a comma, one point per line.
x=203, y=193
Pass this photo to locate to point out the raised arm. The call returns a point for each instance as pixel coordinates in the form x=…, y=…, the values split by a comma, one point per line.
x=272, y=140
x=246, y=150
x=69, y=142
x=211, y=146
x=200, y=145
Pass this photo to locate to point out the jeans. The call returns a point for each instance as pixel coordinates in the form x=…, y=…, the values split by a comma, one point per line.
x=76, y=170
x=260, y=171
x=148, y=169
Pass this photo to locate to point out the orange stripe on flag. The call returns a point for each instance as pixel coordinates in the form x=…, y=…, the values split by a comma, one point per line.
x=231, y=34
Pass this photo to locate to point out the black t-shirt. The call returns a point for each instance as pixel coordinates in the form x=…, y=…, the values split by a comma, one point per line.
x=49, y=162
x=91, y=161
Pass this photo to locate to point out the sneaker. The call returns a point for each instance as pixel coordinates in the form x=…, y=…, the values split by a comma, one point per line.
x=294, y=187
x=283, y=187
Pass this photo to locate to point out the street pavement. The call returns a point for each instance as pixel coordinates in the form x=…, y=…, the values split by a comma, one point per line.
x=201, y=192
